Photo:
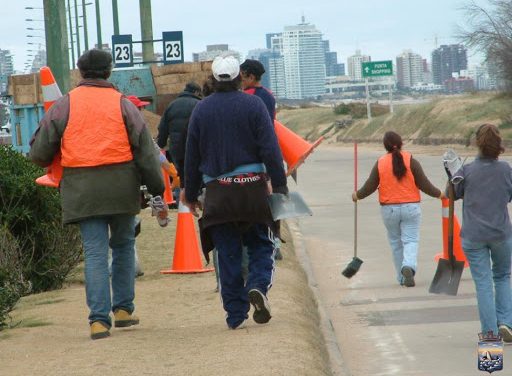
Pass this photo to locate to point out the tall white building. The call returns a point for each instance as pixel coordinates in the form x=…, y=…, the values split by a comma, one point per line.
x=354, y=65
x=6, y=68
x=409, y=69
x=304, y=61
x=480, y=76
x=39, y=61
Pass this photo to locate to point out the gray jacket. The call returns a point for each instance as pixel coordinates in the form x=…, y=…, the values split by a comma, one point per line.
x=103, y=190
x=486, y=189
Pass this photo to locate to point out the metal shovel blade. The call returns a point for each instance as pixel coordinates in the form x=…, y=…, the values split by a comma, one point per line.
x=447, y=277
x=291, y=205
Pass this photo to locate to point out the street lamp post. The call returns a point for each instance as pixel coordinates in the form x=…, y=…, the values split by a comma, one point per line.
x=115, y=14
x=71, y=36
x=57, y=54
x=146, y=27
x=78, y=50
x=98, y=24
x=84, y=13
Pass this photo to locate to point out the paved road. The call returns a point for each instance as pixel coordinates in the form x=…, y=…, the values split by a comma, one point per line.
x=383, y=328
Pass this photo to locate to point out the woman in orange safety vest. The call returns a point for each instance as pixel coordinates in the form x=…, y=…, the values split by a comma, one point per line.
x=399, y=178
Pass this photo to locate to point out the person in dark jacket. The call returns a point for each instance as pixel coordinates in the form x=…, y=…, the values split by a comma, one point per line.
x=107, y=154
x=251, y=71
x=174, y=122
x=486, y=188
x=232, y=148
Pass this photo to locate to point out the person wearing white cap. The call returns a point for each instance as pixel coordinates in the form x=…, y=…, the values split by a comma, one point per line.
x=232, y=149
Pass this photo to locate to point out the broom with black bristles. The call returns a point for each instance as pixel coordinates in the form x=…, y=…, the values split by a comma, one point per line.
x=354, y=265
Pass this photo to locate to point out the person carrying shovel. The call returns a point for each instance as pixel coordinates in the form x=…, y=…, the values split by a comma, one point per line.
x=399, y=178
x=486, y=188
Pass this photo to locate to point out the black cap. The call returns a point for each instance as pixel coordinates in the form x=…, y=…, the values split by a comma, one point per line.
x=95, y=63
x=254, y=67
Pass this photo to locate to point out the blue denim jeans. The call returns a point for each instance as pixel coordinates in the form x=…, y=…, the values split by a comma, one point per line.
x=402, y=223
x=229, y=241
x=96, y=242
x=494, y=300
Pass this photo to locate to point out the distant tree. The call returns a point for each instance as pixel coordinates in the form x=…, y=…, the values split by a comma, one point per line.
x=489, y=30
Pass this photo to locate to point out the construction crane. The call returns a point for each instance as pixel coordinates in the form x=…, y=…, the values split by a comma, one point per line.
x=435, y=39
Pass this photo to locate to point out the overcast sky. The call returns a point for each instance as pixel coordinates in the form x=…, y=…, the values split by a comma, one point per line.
x=381, y=29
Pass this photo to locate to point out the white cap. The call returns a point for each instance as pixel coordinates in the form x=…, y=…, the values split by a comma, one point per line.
x=225, y=68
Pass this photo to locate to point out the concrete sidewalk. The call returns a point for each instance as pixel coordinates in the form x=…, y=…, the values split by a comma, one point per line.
x=381, y=327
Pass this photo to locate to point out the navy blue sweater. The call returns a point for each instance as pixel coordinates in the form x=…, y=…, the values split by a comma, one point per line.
x=266, y=96
x=227, y=130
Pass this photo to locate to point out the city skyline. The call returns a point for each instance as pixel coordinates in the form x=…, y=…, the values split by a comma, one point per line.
x=382, y=31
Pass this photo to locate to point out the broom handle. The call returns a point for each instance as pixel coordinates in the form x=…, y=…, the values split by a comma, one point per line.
x=355, y=203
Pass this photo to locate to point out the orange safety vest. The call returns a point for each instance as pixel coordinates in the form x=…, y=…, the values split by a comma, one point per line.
x=95, y=134
x=392, y=190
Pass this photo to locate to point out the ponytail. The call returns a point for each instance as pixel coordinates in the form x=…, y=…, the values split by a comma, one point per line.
x=399, y=168
x=393, y=144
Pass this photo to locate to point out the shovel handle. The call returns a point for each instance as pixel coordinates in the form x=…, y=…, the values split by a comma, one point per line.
x=451, y=209
x=355, y=203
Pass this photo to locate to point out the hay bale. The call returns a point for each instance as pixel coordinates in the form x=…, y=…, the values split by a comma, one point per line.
x=175, y=68
x=25, y=89
x=152, y=121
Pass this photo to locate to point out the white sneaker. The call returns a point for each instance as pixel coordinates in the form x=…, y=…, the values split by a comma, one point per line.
x=242, y=325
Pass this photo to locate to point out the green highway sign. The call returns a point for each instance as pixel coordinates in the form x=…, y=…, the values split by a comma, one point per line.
x=377, y=68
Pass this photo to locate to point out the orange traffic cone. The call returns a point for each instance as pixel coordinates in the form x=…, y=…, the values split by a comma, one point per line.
x=187, y=257
x=294, y=148
x=51, y=93
x=457, y=247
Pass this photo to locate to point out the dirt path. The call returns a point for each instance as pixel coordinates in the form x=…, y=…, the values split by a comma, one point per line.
x=182, y=330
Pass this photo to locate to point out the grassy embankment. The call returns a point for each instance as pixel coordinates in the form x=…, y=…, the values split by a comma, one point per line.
x=447, y=119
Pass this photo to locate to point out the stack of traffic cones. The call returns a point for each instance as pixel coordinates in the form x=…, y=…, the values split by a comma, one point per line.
x=187, y=256
x=294, y=148
x=168, y=189
x=168, y=198
x=457, y=247
x=51, y=93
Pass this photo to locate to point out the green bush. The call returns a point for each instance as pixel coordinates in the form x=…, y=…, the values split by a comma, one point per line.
x=342, y=109
x=32, y=216
x=358, y=110
x=12, y=284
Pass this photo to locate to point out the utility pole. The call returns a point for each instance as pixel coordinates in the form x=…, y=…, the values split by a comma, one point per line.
x=71, y=36
x=98, y=25
x=146, y=28
x=115, y=14
x=78, y=49
x=86, y=38
x=368, y=105
x=57, y=49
